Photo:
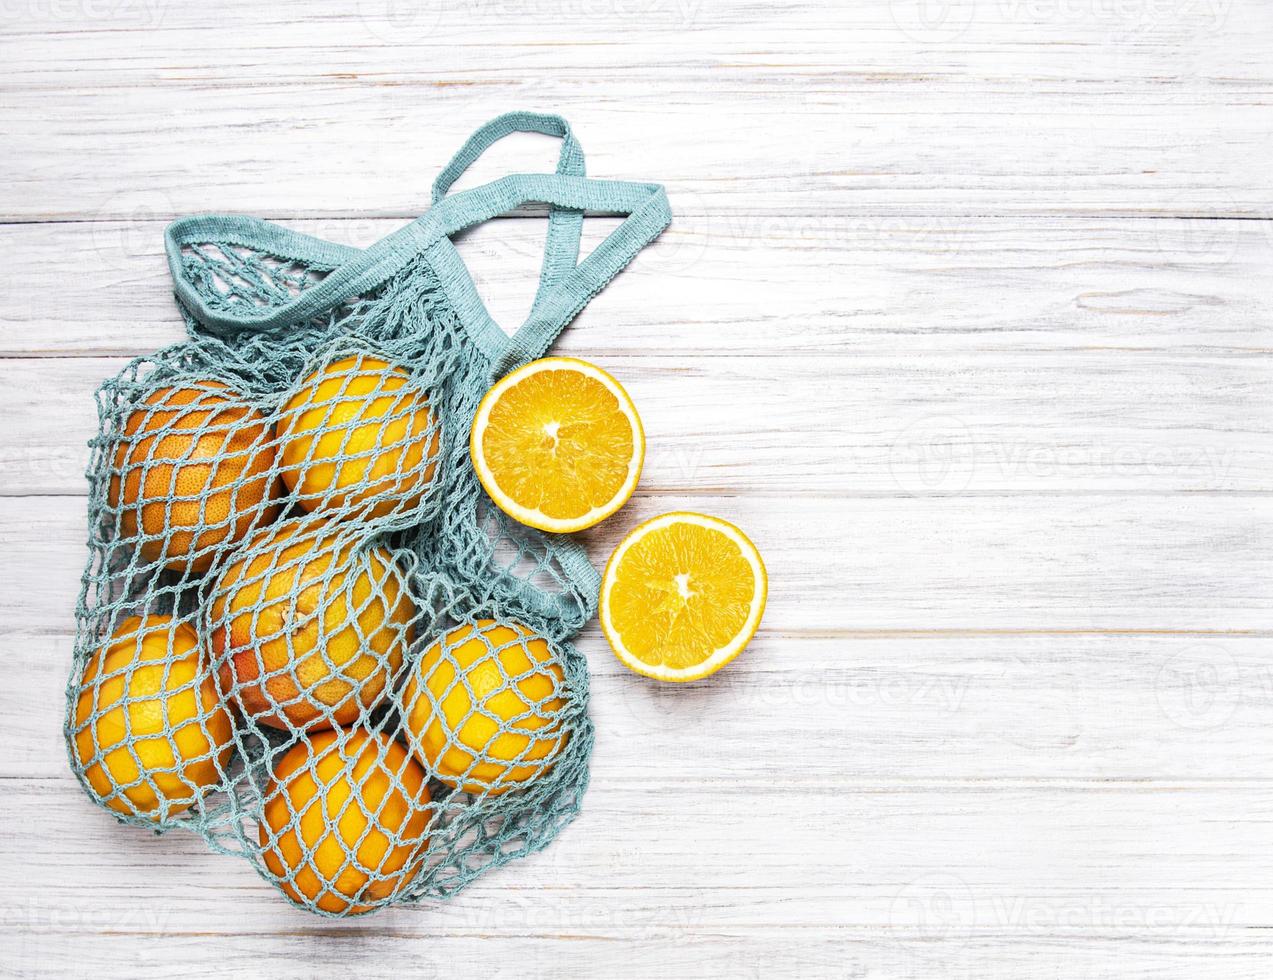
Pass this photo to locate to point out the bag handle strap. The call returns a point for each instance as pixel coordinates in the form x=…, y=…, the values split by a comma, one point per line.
x=354, y=271
x=646, y=213
x=565, y=225
x=484, y=137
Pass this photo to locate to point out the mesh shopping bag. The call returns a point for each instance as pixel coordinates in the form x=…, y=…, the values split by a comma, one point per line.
x=304, y=631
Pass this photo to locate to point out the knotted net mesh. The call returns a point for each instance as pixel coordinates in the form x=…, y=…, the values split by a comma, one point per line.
x=304, y=632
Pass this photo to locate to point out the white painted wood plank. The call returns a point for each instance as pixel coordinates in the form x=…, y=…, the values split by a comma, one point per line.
x=745, y=954
x=1090, y=155
x=683, y=862
x=1096, y=421
x=1191, y=562
x=968, y=36
x=795, y=107
x=864, y=842
x=1177, y=42
x=715, y=283
x=812, y=712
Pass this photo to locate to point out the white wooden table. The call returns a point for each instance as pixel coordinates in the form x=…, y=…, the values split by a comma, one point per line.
x=965, y=316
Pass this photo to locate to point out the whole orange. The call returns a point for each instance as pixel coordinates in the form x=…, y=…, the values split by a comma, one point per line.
x=344, y=820
x=150, y=733
x=480, y=707
x=307, y=629
x=192, y=474
x=358, y=437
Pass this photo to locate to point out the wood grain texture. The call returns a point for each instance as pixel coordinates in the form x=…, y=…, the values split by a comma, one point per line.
x=1016, y=422
x=1185, y=562
x=1002, y=106
x=964, y=317
x=726, y=282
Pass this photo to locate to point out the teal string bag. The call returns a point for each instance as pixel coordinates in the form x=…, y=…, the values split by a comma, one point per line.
x=304, y=631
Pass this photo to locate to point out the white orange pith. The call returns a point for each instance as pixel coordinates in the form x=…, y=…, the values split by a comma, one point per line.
x=557, y=444
x=682, y=595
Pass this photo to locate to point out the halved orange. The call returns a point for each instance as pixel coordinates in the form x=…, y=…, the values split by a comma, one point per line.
x=558, y=444
x=682, y=595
